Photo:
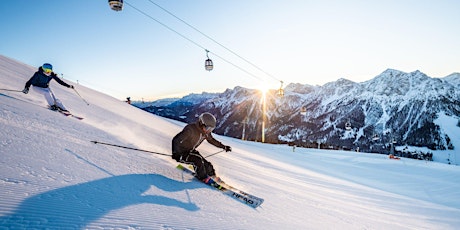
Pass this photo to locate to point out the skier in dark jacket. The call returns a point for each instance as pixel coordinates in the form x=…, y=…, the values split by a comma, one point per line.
x=184, y=145
x=41, y=80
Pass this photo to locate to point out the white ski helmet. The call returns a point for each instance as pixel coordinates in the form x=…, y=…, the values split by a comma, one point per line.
x=208, y=120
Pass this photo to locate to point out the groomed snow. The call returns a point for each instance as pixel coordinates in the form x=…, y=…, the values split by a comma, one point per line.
x=52, y=176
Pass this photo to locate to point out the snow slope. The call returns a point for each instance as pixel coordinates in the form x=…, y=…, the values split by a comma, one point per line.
x=52, y=176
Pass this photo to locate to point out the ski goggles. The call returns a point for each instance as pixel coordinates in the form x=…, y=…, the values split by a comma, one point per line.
x=209, y=128
x=46, y=70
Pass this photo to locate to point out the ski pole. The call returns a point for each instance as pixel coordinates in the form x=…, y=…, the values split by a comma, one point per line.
x=11, y=90
x=214, y=154
x=125, y=147
x=80, y=96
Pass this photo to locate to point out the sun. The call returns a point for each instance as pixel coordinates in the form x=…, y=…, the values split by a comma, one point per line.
x=263, y=89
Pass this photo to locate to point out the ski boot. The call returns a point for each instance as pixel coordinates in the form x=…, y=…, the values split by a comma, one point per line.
x=54, y=107
x=217, y=179
x=212, y=181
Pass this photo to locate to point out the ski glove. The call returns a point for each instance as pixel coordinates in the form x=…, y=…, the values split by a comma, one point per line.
x=227, y=148
x=25, y=90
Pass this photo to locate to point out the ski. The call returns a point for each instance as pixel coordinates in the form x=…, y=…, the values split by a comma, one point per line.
x=68, y=114
x=243, y=197
x=222, y=183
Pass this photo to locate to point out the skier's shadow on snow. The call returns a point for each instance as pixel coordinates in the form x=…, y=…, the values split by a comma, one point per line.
x=79, y=205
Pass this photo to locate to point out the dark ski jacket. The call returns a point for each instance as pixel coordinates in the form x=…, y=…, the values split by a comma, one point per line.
x=191, y=137
x=39, y=79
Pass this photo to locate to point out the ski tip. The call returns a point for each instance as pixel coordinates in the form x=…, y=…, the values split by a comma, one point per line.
x=261, y=202
x=258, y=204
x=179, y=166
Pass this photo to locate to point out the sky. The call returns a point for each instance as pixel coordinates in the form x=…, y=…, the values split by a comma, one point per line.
x=52, y=176
x=146, y=53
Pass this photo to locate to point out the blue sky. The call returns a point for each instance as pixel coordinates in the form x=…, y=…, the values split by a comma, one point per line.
x=297, y=41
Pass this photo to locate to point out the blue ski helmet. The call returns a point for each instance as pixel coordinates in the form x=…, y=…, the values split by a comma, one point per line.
x=47, y=66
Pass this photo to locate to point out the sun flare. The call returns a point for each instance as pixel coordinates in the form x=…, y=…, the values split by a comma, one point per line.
x=263, y=89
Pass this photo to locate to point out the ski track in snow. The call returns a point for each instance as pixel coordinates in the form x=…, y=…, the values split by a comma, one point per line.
x=52, y=176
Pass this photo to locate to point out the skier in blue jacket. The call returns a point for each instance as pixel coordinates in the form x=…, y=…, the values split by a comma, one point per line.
x=40, y=80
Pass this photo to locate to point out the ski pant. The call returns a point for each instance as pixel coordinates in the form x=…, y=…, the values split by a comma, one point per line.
x=49, y=96
x=203, y=168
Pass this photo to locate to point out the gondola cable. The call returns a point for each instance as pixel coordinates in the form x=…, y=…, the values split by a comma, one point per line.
x=190, y=40
x=210, y=38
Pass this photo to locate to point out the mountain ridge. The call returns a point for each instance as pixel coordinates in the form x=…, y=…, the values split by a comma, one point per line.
x=395, y=107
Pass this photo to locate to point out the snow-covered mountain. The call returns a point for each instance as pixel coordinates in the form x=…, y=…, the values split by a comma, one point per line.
x=53, y=177
x=393, y=108
x=453, y=79
x=171, y=107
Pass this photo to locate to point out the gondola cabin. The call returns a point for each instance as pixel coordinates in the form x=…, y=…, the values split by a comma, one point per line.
x=208, y=64
x=116, y=5
x=281, y=90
